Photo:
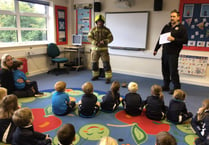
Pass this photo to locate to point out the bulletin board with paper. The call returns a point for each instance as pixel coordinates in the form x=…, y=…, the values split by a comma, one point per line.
x=195, y=17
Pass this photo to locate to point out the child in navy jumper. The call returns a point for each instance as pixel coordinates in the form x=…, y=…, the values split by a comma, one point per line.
x=88, y=105
x=154, y=104
x=61, y=103
x=112, y=99
x=177, y=111
x=24, y=133
x=132, y=103
x=200, y=124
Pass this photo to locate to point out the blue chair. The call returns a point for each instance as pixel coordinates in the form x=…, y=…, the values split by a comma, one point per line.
x=53, y=52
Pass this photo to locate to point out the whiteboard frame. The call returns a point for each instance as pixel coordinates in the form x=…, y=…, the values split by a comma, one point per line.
x=132, y=47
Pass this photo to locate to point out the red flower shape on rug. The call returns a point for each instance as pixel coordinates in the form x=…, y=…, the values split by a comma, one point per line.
x=44, y=123
x=149, y=126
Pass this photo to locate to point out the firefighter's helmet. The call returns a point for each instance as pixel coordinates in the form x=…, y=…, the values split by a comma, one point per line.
x=99, y=18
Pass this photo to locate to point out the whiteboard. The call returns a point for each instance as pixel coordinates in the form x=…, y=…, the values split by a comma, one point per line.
x=129, y=29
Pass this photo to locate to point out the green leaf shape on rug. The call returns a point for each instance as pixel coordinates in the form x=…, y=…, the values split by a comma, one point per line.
x=93, y=131
x=48, y=110
x=99, y=97
x=26, y=100
x=138, y=134
x=186, y=128
x=77, y=139
x=189, y=139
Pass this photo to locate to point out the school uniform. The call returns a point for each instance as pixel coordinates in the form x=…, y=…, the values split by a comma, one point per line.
x=7, y=128
x=155, y=108
x=201, y=128
x=132, y=104
x=88, y=107
x=27, y=136
x=177, y=111
x=61, y=104
x=109, y=103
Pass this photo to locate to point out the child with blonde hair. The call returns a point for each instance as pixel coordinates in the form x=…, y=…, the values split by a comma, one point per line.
x=200, y=123
x=107, y=140
x=154, y=104
x=3, y=92
x=177, y=110
x=24, y=133
x=66, y=134
x=61, y=103
x=132, y=103
x=88, y=105
x=112, y=99
x=7, y=108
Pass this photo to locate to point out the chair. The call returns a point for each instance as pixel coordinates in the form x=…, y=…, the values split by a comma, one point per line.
x=53, y=52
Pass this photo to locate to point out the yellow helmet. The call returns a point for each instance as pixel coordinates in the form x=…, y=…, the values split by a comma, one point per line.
x=99, y=17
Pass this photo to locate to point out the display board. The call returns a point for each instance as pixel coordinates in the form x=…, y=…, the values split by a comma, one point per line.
x=129, y=30
x=195, y=17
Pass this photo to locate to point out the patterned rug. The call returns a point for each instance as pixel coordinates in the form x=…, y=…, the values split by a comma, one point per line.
x=126, y=129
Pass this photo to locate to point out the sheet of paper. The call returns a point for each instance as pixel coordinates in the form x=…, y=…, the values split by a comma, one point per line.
x=163, y=38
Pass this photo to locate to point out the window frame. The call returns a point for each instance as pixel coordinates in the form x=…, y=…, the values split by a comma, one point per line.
x=49, y=28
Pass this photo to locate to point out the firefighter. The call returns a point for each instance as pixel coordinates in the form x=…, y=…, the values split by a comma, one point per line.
x=99, y=37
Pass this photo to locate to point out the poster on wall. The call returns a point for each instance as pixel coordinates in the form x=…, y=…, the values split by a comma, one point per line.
x=193, y=65
x=61, y=24
x=195, y=17
x=83, y=23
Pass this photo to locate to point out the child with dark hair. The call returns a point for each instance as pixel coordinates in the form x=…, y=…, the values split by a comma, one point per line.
x=66, y=134
x=8, y=106
x=132, y=103
x=24, y=133
x=165, y=138
x=88, y=105
x=18, y=74
x=61, y=103
x=200, y=124
x=177, y=111
x=112, y=99
x=154, y=104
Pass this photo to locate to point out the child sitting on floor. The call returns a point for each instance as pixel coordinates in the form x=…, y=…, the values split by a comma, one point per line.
x=132, y=103
x=26, y=83
x=8, y=106
x=165, y=138
x=177, y=111
x=88, y=105
x=3, y=93
x=61, y=103
x=200, y=124
x=154, y=104
x=112, y=99
x=66, y=134
x=24, y=133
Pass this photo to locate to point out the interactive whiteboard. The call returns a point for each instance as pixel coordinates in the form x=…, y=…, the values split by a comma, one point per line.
x=129, y=29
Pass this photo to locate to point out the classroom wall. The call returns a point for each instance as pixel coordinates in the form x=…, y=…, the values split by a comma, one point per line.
x=145, y=64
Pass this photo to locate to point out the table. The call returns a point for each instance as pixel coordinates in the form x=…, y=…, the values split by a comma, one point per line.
x=79, y=50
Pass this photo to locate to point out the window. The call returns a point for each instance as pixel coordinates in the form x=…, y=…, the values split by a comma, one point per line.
x=23, y=21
